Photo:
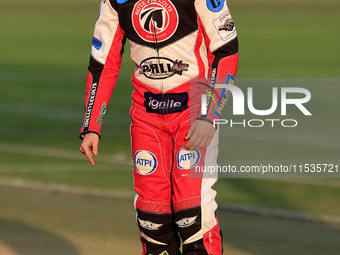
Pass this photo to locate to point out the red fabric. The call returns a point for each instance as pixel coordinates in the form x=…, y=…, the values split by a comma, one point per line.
x=207, y=43
x=199, y=41
x=153, y=206
x=163, y=136
x=88, y=84
x=227, y=65
x=187, y=203
x=107, y=81
x=212, y=240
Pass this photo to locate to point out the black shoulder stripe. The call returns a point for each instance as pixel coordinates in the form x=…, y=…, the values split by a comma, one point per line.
x=95, y=68
x=113, y=4
x=228, y=49
x=123, y=43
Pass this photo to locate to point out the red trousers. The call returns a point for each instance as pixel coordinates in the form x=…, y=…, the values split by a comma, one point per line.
x=172, y=203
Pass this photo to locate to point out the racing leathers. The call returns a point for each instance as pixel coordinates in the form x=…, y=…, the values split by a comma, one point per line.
x=172, y=43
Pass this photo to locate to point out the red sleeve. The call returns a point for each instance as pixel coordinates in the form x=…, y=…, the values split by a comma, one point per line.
x=106, y=57
x=222, y=44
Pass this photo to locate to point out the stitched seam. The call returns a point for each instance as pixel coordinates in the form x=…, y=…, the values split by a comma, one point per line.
x=191, y=198
x=150, y=116
x=153, y=202
x=159, y=143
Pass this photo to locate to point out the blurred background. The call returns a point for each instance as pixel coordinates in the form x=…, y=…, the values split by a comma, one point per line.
x=53, y=202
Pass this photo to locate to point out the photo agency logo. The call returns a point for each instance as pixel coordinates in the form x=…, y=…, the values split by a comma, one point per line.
x=220, y=94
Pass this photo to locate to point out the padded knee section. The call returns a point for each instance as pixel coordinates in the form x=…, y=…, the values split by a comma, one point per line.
x=188, y=224
x=197, y=240
x=158, y=234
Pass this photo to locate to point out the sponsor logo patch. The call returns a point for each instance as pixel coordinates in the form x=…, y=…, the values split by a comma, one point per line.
x=156, y=21
x=145, y=162
x=187, y=159
x=224, y=25
x=96, y=43
x=215, y=5
x=224, y=96
x=90, y=104
x=186, y=222
x=179, y=67
x=102, y=113
x=166, y=103
x=149, y=225
x=164, y=253
x=161, y=68
x=227, y=26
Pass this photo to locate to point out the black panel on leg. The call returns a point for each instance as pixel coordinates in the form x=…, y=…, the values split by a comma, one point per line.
x=195, y=248
x=188, y=222
x=160, y=236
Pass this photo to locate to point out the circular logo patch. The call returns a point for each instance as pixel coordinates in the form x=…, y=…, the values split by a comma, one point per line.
x=145, y=162
x=215, y=5
x=156, y=21
x=187, y=159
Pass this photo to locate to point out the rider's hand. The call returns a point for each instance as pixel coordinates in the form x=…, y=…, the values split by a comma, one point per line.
x=89, y=146
x=200, y=135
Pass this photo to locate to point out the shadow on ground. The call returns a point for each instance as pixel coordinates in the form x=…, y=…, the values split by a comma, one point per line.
x=24, y=239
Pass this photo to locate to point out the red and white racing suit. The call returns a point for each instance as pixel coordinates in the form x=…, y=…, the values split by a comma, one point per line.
x=171, y=42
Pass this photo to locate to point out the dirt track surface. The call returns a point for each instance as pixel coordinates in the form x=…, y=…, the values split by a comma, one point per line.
x=35, y=223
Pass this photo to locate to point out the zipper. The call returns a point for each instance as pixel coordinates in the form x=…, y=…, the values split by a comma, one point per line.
x=156, y=44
